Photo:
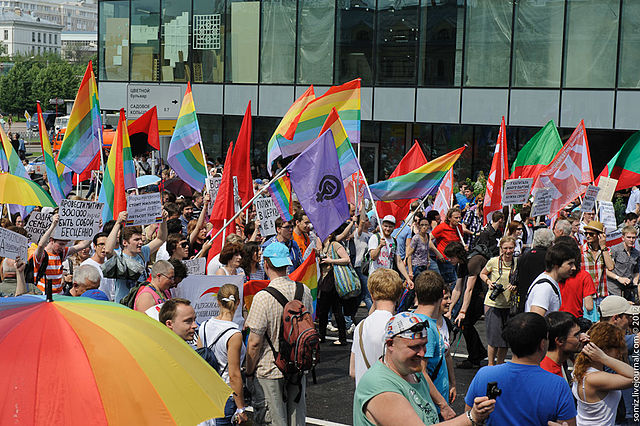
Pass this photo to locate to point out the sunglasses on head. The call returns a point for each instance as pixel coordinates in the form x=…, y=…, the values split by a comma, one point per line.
x=416, y=328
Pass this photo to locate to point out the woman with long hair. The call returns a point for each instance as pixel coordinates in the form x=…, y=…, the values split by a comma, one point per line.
x=598, y=392
x=251, y=255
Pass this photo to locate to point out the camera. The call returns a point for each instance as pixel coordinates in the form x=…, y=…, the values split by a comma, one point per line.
x=493, y=391
x=498, y=289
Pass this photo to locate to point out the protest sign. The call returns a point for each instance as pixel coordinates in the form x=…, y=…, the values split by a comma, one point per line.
x=214, y=186
x=607, y=188
x=13, y=244
x=589, y=200
x=516, y=191
x=266, y=213
x=202, y=290
x=608, y=215
x=37, y=225
x=541, y=203
x=195, y=266
x=614, y=238
x=144, y=209
x=79, y=220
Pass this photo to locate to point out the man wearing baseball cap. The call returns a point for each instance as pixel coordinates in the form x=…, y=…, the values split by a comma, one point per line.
x=394, y=391
x=383, y=249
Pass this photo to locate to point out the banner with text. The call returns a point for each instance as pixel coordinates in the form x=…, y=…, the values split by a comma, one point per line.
x=144, y=209
x=516, y=191
x=608, y=215
x=79, y=220
x=266, y=213
x=541, y=203
x=590, y=197
x=195, y=266
x=37, y=225
x=202, y=291
x=13, y=244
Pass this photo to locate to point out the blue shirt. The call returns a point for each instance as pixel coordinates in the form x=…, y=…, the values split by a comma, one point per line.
x=401, y=237
x=434, y=352
x=294, y=252
x=530, y=395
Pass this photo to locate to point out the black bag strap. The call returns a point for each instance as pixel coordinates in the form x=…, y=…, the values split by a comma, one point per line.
x=435, y=372
x=42, y=269
x=277, y=295
x=544, y=280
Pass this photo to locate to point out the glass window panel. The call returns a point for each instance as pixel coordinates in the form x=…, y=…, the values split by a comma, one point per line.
x=422, y=134
x=354, y=47
x=114, y=40
x=488, y=43
x=316, y=21
x=396, y=41
x=538, y=43
x=278, y=42
x=145, y=44
x=441, y=30
x=628, y=74
x=175, y=42
x=243, y=35
x=392, y=137
x=591, y=43
x=263, y=128
x=446, y=138
x=208, y=41
x=211, y=131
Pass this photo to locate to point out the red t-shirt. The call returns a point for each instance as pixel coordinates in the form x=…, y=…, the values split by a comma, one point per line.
x=445, y=234
x=574, y=290
x=551, y=366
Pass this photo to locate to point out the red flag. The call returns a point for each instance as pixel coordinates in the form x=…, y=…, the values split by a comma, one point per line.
x=223, y=208
x=240, y=163
x=147, y=123
x=354, y=187
x=570, y=171
x=442, y=203
x=400, y=208
x=497, y=175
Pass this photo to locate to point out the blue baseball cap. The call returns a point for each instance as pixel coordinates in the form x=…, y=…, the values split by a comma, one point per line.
x=95, y=294
x=278, y=254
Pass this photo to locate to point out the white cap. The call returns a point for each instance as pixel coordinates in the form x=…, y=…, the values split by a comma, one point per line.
x=617, y=305
x=389, y=218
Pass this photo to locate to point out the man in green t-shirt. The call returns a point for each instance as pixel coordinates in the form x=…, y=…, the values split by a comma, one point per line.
x=394, y=391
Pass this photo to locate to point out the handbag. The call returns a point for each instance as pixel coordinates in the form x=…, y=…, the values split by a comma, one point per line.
x=120, y=267
x=346, y=280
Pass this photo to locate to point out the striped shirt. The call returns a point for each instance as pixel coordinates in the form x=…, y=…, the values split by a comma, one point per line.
x=53, y=272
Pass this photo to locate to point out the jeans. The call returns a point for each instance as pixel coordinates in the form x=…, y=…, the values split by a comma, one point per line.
x=365, y=296
x=448, y=271
x=329, y=300
x=229, y=410
x=270, y=405
x=417, y=270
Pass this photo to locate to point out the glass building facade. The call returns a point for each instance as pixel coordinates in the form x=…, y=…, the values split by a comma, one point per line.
x=442, y=72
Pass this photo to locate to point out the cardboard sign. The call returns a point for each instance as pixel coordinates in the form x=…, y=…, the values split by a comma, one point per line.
x=37, y=225
x=214, y=185
x=202, y=291
x=266, y=213
x=608, y=215
x=144, y=209
x=13, y=244
x=195, y=266
x=79, y=220
x=542, y=202
x=589, y=200
x=516, y=191
x=607, y=188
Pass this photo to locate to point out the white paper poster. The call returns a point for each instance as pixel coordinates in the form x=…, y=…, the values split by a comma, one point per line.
x=79, y=220
x=37, y=225
x=266, y=213
x=195, y=266
x=516, y=191
x=13, y=244
x=541, y=203
x=144, y=209
x=608, y=215
x=202, y=291
x=589, y=200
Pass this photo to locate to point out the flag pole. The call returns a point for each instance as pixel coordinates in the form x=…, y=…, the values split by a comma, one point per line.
x=206, y=172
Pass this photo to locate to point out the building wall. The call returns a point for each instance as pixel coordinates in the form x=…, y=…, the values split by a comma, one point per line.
x=30, y=38
x=73, y=16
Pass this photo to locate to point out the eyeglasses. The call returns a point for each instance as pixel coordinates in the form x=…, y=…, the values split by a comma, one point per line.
x=287, y=227
x=184, y=244
x=591, y=234
x=168, y=277
x=416, y=328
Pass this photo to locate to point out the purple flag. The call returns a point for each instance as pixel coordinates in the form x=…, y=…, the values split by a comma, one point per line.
x=316, y=179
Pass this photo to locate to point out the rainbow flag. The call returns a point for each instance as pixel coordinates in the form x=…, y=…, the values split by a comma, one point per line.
x=280, y=192
x=345, y=99
x=346, y=155
x=185, y=153
x=65, y=177
x=50, y=163
x=83, y=137
x=287, y=126
x=119, y=173
x=418, y=183
x=12, y=164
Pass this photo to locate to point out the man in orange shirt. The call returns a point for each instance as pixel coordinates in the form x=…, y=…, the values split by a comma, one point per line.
x=301, y=230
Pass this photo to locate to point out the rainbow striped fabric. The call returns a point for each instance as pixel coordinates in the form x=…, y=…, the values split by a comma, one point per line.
x=83, y=137
x=23, y=192
x=288, y=125
x=346, y=155
x=345, y=99
x=185, y=153
x=418, y=183
x=49, y=162
x=14, y=166
x=280, y=192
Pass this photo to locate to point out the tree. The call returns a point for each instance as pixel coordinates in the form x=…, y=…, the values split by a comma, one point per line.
x=58, y=80
x=15, y=87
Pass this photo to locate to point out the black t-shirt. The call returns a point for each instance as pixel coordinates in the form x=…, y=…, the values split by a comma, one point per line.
x=530, y=265
x=473, y=268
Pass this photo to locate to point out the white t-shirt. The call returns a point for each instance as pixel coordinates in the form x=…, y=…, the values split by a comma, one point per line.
x=444, y=332
x=361, y=242
x=384, y=260
x=372, y=340
x=214, y=265
x=107, y=285
x=213, y=328
x=162, y=253
x=542, y=295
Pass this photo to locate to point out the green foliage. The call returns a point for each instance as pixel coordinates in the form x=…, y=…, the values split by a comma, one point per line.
x=619, y=206
x=59, y=80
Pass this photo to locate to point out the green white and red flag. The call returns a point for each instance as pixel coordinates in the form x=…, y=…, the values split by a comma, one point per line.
x=625, y=165
x=536, y=154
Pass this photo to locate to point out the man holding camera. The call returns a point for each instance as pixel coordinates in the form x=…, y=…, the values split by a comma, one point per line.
x=526, y=394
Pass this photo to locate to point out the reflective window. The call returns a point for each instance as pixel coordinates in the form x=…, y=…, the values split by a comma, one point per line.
x=446, y=138
x=208, y=41
x=175, y=42
x=538, y=44
x=392, y=138
x=316, y=21
x=488, y=43
x=441, y=30
x=113, y=53
x=243, y=34
x=211, y=131
x=397, y=40
x=262, y=130
x=423, y=134
x=628, y=74
x=278, y=41
x=591, y=43
x=145, y=45
x=354, y=45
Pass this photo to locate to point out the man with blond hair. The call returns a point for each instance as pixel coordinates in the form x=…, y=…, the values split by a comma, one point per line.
x=385, y=286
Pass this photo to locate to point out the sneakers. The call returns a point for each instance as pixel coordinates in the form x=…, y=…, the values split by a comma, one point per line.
x=351, y=329
x=331, y=328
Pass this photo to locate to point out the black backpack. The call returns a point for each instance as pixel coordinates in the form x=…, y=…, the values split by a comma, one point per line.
x=480, y=249
x=130, y=299
x=29, y=269
x=206, y=351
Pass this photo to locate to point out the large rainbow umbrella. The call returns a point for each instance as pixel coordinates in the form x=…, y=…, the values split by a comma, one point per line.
x=78, y=361
x=21, y=191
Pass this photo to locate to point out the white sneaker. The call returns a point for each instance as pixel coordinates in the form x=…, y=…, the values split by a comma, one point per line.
x=351, y=329
x=331, y=328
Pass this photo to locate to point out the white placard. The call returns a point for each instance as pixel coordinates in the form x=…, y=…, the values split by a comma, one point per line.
x=144, y=209
x=79, y=220
x=142, y=97
x=516, y=191
x=542, y=202
x=589, y=200
x=266, y=213
x=195, y=266
x=607, y=188
x=608, y=215
x=201, y=290
x=37, y=225
x=13, y=244
x=214, y=185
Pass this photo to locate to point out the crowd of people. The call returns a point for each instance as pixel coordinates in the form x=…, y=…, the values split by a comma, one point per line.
x=553, y=293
